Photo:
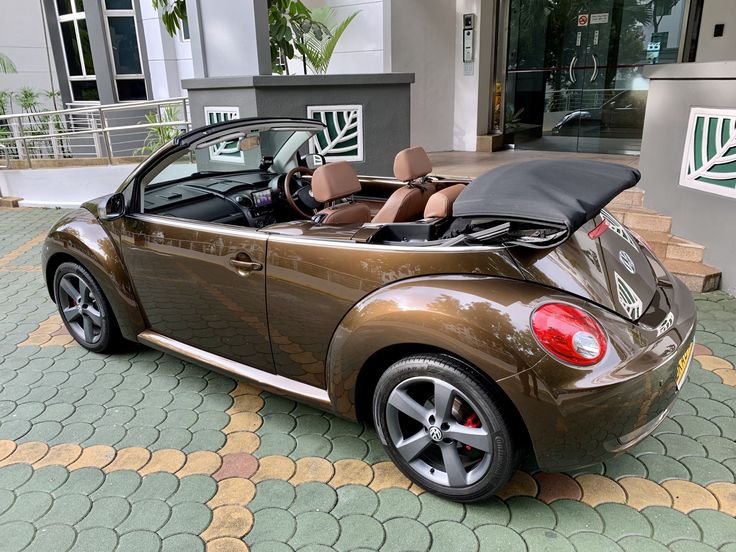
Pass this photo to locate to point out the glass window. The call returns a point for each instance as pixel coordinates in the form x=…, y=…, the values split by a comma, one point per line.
x=185, y=29
x=85, y=91
x=89, y=65
x=71, y=48
x=119, y=4
x=131, y=89
x=124, y=42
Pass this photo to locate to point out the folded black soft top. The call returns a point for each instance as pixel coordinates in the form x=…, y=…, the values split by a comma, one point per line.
x=562, y=194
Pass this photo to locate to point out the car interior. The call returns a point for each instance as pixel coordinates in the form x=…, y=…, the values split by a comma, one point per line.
x=255, y=181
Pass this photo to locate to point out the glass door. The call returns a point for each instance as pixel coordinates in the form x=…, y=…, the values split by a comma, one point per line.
x=574, y=70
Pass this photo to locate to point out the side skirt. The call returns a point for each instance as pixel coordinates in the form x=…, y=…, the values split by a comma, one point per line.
x=272, y=382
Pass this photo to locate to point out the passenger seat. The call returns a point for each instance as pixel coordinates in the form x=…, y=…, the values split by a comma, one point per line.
x=406, y=204
x=440, y=204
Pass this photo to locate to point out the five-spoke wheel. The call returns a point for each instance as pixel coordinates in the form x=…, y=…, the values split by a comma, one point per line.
x=442, y=427
x=83, y=307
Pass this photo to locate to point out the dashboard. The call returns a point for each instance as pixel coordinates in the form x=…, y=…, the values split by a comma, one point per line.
x=226, y=199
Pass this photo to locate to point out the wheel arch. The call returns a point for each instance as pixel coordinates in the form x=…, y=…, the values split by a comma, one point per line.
x=79, y=237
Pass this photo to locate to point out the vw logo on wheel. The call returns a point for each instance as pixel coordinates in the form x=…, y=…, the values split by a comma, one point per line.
x=627, y=261
x=435, y=433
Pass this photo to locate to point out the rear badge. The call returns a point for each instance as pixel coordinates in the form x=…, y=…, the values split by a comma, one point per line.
x=627, y=261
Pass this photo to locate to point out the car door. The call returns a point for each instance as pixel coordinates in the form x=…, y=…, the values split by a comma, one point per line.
x=202, y=284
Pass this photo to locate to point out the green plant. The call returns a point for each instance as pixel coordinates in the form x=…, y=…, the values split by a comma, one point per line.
x=6, y=64
x=6, y=102
x=54, y=96
x=159, y=135
x=28, y=99
x=173, y=12
x=513, y=118
x=318, y=50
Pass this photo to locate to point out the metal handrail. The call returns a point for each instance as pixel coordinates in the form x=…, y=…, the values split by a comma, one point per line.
x=4, y=153
x=59, y=128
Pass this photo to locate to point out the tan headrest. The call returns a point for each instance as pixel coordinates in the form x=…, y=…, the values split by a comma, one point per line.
x=334, y=181
x=412, y=163
x=440, y=203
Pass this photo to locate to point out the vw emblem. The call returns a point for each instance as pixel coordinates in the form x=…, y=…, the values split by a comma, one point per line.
x=435, y=433
x=627, y=261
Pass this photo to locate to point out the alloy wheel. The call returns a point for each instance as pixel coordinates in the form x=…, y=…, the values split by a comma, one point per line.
x=439, y=431
x=80, y=308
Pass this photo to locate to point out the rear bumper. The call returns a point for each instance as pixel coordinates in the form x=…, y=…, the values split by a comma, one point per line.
x=584, y=419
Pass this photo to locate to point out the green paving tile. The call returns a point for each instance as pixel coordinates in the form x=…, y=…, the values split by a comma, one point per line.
x=28, y=507
x=273, y=493
x=275, y=444
x=315, y=528
x=709, y=409
x=490, y=511
x=96, y=539
x=109, y=511
x=139, y=541
x=670, y=525
x=354, y=500
x=313, y=496
x=160, y=485
x=527, y=512
x=53, y=537
x=438, y=509
x=186, y=517
x=584, y=542
x=717, y=528
x=358, y=531
x=405, y=534
x=547, y=540
x=575, y=517
x=194, y=488
x=695, y=426
x=347, y=447
x=661, y=468
x=499, y=538
x=182, y=542
x=705, y=471
x=271, y=546
x=6, y=500
x=271, y=524
x=119, y=483
x=16, y=535
x=641, y=544
x=625, y=465
x=693, y=546
x=67, y=510
x=311, y=445
x=46, y=479
x=146, y=515
x=315, y=423
x=622, y=521
x=679, y=446
x=451, y=535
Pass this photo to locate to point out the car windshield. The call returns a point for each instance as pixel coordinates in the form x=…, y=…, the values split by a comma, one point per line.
x=265, y=150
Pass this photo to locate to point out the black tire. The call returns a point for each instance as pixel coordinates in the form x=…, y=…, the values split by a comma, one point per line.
x=88, y=306
x=422, y=378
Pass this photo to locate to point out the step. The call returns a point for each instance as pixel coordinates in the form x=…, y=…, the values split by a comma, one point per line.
x=658, y=241
x=639, y=218
x=680, y=249
x=633, y=197
x=696, y=276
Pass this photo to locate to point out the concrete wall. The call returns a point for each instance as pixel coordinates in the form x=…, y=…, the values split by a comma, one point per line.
x=384, y=97
x=423, y=43
x=22, y=38
x=62, y=187
x=711, y=48
x=703, y=217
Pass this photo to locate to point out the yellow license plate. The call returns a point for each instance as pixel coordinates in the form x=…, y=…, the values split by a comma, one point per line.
x=683, y=364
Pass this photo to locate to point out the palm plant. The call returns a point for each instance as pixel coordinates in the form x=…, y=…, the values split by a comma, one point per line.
x=318, y=49
x=160, y=135
x=6, y=64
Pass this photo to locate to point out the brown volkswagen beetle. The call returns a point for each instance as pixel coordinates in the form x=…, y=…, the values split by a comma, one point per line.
x=469, y=321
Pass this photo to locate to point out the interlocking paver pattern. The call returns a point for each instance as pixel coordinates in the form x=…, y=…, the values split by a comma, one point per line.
x=140, y=451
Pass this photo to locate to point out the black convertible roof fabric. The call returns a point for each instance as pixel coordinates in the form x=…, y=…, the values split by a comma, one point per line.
x=560, y=193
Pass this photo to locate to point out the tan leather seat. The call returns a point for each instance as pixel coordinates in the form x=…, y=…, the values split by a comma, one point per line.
x=440, y=204
x=333, y=182
x=406, y=204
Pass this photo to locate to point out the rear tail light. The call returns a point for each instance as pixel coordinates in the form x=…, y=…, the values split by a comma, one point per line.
x=569, y=334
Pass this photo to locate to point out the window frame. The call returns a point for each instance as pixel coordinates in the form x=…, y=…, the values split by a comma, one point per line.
x=128, y=12
x=74, y=17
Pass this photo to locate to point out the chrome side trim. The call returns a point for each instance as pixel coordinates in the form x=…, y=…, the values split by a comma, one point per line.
x=273, y=382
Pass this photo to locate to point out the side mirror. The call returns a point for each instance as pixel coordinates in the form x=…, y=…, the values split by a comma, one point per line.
x=314, y=160
x=111, y=207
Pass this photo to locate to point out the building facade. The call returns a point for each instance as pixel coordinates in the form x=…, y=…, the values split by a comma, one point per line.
x=564, y=75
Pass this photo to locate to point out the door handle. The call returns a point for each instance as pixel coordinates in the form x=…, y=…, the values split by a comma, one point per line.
x=244, y=265
x=572, y=65
x=595, y=68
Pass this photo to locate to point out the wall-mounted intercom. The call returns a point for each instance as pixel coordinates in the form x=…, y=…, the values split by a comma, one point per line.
x=468, y=37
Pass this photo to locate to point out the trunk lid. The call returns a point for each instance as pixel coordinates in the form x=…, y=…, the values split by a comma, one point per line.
x=610, y=270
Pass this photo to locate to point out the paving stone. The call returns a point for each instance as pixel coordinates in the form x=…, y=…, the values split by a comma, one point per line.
x=186, y=517
x=107, y=511
x=717, y=528
x=593, y=541
x=449, y=535
x=271, y=524
x=96, y=539
x=273, y=493
x=359, y=531
x=46, y=479
x=705, y=471
x=53, y=537
x=181, y=542
x=357, y=499
x=122, y=484
x=28, y=507
x=313, y=496
x=139, y=541
x=575, y=517
x=438, y=509
x=66, y=510
x=16, y=535
x=405, y=534
x=621, y=521
x=641, y=544
x=661, y=468
x=194, y=488
x=670, y=525
x=693, y=546
x=394, y=503
x=527, y=512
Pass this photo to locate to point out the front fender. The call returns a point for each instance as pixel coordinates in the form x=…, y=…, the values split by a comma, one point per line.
x=80, y=235
x=482, y=320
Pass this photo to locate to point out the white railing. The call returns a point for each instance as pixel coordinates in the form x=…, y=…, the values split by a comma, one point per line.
x=94, y=132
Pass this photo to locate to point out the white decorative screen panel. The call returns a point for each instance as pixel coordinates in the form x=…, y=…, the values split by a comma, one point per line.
x=224, y=151
x=709, y=160
x=342, y=140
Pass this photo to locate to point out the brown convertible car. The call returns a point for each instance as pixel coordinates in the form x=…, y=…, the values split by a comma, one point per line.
x=469, y=321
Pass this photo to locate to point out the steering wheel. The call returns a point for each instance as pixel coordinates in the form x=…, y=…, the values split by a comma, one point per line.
x=300, y=200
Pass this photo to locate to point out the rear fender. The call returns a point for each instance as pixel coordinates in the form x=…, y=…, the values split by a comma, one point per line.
x=482, y=320
x=79, y=235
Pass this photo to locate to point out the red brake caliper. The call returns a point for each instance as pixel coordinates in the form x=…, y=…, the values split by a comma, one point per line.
x=471, y=421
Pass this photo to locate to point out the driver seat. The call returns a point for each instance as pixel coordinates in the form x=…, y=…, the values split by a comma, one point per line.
x=334, y=182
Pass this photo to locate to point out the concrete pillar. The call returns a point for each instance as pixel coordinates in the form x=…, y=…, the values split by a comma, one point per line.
x=229, y=37
x=97, y=27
